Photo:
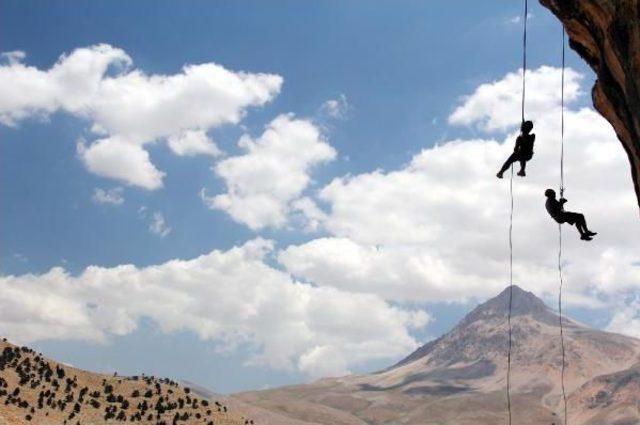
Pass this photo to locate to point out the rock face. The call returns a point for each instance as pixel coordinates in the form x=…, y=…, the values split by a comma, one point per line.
x=606, y=33
x=459, y=378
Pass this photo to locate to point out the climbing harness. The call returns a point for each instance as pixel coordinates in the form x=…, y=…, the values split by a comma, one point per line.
x=564, y=395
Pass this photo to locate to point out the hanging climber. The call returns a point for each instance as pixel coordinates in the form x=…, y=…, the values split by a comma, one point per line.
x=556, y=211
x=523, y=151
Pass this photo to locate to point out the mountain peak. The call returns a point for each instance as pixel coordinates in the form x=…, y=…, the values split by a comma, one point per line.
x=518, y=292
x=523, y=303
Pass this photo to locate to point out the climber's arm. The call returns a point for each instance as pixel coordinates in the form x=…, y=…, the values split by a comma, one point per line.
x=518, y=146
x=562, y=202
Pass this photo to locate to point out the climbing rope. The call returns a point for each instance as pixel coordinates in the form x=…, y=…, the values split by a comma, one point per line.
x=562, y=119
x=510, y=297
x=524, y=53
x=564, y=395
x=524, y=75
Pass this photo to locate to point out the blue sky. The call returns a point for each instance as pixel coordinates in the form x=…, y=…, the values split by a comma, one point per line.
x=401, y=67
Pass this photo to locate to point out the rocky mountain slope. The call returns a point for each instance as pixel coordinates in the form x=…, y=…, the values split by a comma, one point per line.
x=249, y=410
x=35, y=390
x=459, y=378
x=606, y=33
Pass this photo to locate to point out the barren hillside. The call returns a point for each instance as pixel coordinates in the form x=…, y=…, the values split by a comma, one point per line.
x=36, y=390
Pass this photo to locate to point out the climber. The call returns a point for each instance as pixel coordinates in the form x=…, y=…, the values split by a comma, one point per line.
x=523, y=151
x=556, y=211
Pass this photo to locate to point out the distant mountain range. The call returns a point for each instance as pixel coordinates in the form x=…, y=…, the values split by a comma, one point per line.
x=459, y=378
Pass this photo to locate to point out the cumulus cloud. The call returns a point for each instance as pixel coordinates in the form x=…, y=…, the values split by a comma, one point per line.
x=435, y=229
x=158, y=225
x=514, y=19
x=517, y=19
x=109, y=196
x=271, y=174
x=230, y=297
x=494, y=106
x=626, y=319
x=397, y=273
x=128, y=108
x=193, y=142
x=336, y=108
x=309, y=215
x=13, y=57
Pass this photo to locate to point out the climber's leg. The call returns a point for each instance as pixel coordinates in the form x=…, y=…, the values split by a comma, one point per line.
x=513, y=158
x=523, y=166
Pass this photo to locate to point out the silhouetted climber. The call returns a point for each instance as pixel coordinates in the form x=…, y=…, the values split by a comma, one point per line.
x=556, y=210
x=523, y=150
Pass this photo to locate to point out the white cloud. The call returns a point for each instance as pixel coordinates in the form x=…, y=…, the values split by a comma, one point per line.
x=290, y=325
x=193, y=142
x=13, y=57
x=110, y=196
x=129, y=109
x=626, y=319
x=117, y=159
x=158, y=225
x=398, y=273
x=517, y=19
x=496, y=105
x=436, y=228
x=310, y=215
x=274, y=171
x=69, y=85
x=336, y=108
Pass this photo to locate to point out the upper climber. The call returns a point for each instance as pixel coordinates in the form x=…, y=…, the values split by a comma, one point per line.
x=523, y=151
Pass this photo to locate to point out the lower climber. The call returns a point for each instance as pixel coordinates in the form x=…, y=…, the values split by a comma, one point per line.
x=556, y=210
